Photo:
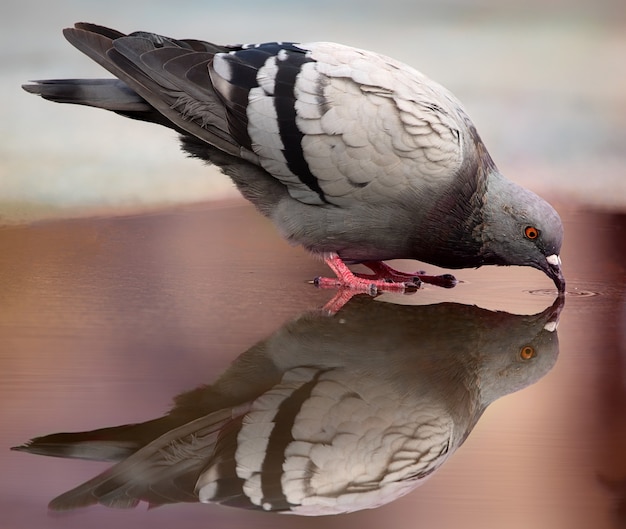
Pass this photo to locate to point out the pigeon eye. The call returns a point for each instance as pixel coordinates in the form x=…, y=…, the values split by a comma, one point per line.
x=527, y=352
x=531, y=232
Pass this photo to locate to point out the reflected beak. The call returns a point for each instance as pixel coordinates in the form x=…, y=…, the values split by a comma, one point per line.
x=553, y=271
x=553, y=313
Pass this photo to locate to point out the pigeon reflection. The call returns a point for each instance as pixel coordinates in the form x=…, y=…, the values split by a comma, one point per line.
x=330, y=414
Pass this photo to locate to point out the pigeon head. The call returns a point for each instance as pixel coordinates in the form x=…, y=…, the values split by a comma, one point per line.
x=520, y=228
x=520, y=350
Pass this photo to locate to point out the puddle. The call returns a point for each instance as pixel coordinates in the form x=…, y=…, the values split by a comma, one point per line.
x=104, y=322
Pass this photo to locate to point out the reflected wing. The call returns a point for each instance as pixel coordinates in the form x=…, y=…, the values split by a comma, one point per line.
x=318, y=442
x=329, y=442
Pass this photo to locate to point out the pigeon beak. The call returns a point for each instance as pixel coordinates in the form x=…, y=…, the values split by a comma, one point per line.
x=553, y=270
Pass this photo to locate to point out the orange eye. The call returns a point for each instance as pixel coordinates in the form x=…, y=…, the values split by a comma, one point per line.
x=531, y=232
x=527, y=352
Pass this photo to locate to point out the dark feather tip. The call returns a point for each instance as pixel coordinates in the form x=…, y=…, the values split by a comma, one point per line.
x=21, y=448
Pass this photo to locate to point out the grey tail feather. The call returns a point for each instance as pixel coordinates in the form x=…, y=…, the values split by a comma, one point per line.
x=107, y=444
x=108, y=94
x=154, y=473
x=145, y=90
x=104, y=444
x=91, y=450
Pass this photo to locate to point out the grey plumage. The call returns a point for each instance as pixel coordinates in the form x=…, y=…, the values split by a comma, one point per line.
x=349, y=153
x=328, y=415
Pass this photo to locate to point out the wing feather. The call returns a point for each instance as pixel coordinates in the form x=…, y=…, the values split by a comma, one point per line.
x=334, y=124
x=122, y=57
x=164, y=471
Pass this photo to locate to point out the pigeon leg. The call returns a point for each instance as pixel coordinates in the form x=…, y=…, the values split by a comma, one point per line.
x=384, y=271
x=370, y=284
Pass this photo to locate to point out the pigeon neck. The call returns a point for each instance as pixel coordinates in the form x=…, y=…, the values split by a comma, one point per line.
x=455, y=221
x=500, y=196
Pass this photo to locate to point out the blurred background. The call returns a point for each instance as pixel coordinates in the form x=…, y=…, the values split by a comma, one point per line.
x=544, y=82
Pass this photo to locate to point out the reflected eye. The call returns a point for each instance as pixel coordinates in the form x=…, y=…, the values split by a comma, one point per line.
x=527, y=352
x=531, y=232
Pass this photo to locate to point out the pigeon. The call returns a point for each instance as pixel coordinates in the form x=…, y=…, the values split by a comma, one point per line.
x=354, y=156
x=328, y=415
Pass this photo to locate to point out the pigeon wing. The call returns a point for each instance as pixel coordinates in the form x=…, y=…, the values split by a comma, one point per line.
x=332, y=123
x=336, y=124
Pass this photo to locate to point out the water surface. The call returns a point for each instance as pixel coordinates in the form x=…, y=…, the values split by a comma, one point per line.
x=104, y=321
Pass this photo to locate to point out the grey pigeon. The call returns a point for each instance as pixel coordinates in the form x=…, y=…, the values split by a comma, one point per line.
x=353, y=155
x=328, y=415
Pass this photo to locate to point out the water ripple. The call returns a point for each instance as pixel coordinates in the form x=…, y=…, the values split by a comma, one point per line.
x=554, y=292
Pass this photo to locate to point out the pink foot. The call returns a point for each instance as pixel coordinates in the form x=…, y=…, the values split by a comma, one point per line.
x=372, y=284
x=384, y=271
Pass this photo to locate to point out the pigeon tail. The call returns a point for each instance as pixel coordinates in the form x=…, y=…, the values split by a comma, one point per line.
x=158, y=473
x=107, y=94
x=104, y=444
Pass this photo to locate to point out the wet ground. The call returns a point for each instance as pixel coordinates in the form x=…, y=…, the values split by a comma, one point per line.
x=104, y=321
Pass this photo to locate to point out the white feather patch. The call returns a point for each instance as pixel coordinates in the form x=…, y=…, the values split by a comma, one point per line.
x=264, y=132
x=368, y=119
x=257, y=427
x=222, y=66
x=356, y=446
x=266, y=77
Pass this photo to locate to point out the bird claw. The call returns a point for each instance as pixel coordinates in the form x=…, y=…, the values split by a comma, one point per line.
x=412, y=286
x=326, y=282
x=372, y=290
x=444, y=280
